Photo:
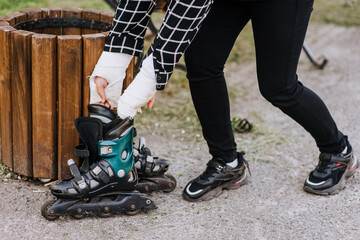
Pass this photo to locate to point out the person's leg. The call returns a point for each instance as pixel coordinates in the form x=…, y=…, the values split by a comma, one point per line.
x=279, y=30
x=205, y=60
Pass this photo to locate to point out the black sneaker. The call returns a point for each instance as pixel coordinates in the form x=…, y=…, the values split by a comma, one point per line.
x=215, y=178
x=329, y=175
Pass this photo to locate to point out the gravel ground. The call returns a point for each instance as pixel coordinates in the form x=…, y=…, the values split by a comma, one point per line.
x=281, y=154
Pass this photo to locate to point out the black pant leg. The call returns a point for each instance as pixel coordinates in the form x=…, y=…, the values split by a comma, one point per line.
x=279, y=30
x=205, y=59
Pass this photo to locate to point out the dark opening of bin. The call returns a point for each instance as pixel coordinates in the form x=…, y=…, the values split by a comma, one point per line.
x=63, y=22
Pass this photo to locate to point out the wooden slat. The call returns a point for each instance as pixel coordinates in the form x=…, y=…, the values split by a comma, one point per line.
x=129, y=74
x=107, y=17
x=21, y=102
x=12, y=17
x=20, y=18
x=44, y=106
x=93, y=15
x=93, y=45
x=71, y=13
x=5, y=96
x=33, y=14
x=69, y=64
x=51, y=13
x=4, y=23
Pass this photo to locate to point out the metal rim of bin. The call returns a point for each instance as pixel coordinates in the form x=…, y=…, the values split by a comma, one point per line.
x=62, y=22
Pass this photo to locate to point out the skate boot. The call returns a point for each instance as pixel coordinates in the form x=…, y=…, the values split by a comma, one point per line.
x=108, y=187
x=151, y=171
x=218, y=176
x=329, y=175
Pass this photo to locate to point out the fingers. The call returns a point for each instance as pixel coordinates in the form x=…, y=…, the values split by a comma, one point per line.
x=101, y=84
x=106, y=104
x=151, y=102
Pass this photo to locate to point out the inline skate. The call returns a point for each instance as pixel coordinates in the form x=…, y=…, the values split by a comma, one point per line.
x=150, y=169
x=108, y=185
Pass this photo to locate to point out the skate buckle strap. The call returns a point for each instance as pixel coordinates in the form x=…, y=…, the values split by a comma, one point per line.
x=216, y=165
x=80, y=181
x=149, y=164
x=118, y=153
x=105, y=150
x=81, y=151
x=100, y=173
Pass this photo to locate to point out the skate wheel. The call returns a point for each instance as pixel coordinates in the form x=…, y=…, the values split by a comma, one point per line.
x=45, y=210
x=105, y=211
x=146, y=210
x=133, y=212
x=45, y=180
x=78, y=216
x=104, y=215
x=172, y=185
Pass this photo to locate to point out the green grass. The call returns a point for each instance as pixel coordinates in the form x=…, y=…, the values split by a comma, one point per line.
x=339, y=12
x=9, y=6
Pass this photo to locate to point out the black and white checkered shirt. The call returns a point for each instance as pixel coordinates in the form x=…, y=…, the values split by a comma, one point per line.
x=180, y=25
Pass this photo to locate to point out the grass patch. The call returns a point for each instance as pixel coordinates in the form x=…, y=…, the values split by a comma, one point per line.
x=9, y=6
x=340, y=12
x=243, y=49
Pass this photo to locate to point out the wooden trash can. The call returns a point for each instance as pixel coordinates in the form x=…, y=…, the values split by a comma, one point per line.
x=46, y=57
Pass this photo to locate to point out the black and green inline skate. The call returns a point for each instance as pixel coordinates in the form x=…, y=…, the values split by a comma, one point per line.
x=107, y=181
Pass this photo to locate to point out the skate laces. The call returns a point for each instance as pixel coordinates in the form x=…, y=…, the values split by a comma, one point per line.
x=213, y=166
x=216, y=165
x=324, y=161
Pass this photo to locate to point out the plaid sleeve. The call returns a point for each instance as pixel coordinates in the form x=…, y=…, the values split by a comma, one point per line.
x=180, y=25
x=129, y=26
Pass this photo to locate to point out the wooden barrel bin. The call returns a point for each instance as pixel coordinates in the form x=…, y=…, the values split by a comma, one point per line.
x=46, y=56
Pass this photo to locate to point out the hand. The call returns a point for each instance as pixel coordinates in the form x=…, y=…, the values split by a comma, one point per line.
x=151, y=102
x=101, y=84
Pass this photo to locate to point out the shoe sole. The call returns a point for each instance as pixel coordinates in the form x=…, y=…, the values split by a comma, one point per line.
x=242, y=180
x=352, y=168
x=350, y=171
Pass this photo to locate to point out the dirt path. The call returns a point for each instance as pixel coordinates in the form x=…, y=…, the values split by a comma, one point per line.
x=281, y=154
